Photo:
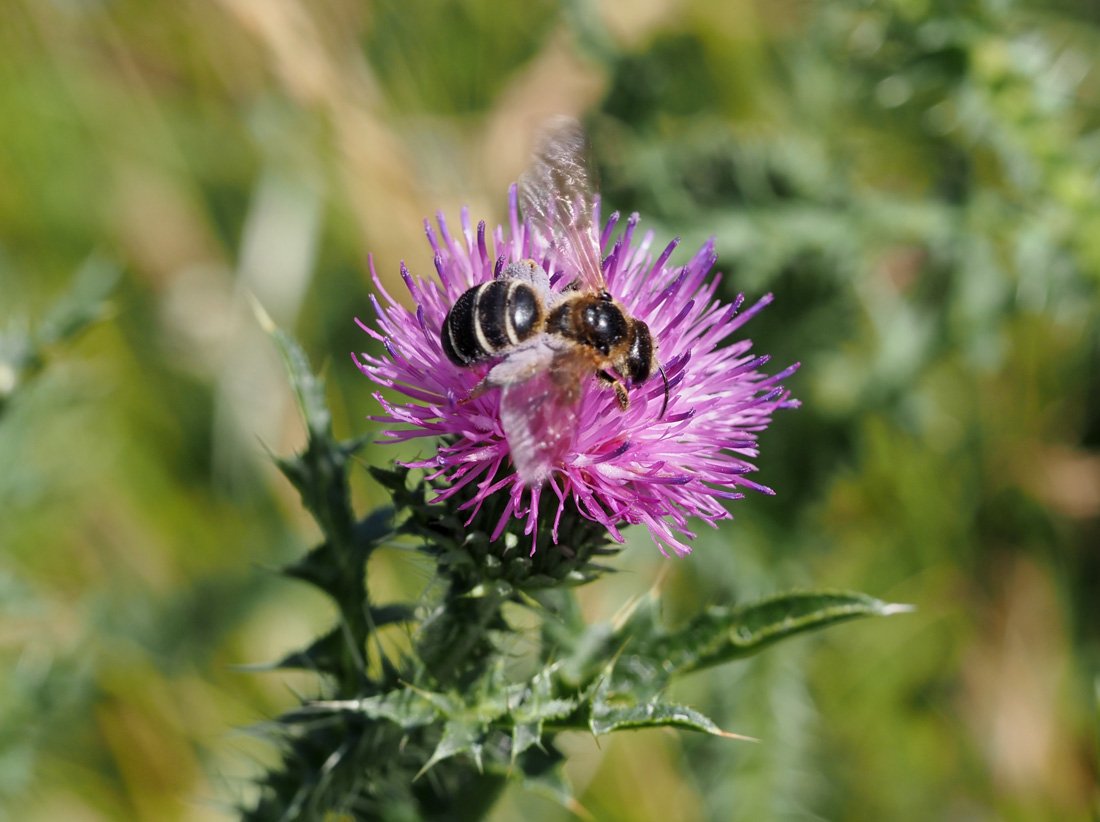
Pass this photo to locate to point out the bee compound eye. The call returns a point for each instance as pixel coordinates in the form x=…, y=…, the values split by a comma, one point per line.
x=640, y=356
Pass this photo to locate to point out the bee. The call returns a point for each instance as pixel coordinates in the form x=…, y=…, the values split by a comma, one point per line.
x=549, y=342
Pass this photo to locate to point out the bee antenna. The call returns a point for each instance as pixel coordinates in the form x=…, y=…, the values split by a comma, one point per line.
x=664, y=379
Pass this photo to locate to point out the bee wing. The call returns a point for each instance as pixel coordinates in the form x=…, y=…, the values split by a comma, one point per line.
x=557, y=194
x=540, y=389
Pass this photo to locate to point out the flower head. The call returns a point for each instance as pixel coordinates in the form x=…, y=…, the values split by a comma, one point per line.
x=649, y=464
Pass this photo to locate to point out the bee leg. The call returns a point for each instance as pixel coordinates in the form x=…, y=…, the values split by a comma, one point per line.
x=664, y=379
x=476, y=391
x=519, y=366
x=620, y=394
x=620, y=389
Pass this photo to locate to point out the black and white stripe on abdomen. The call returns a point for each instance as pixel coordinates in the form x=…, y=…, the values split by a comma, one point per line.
x=488, y=319
x=491, y=315
x=458, y=337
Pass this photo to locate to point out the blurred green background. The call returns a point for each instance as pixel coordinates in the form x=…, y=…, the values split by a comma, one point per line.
x=917, y=181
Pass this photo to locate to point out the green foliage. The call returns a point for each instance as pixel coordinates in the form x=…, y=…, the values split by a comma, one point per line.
x=449, y=719
x=23, y=353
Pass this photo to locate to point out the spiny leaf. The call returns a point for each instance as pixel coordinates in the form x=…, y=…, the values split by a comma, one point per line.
x=326, y=655
x=319, y=473
x=454, y=642
x=647, y=657
x=329, y=654
x=309, y=389
x=459, y=736
x=446, y=705
x=525, y=735
x=338, y=566
x=617, y=703
x=656, y=714
x=333, y=567
x=723, y=634
x=408, y=708
x=537, y=705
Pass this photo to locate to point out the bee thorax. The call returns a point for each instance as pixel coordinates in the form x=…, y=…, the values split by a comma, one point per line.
x=592, y=321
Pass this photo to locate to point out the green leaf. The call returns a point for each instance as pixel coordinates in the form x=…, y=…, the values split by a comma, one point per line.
x=618, y=703
x=723, y=634
x=23, y=353
x=335, y=652
x=537, y=706
x=525, y=735
x=408, y=708
x=627, y=693
x=326, y=655
x=319, y=473
x=654, y=714
x=309, y=389
x=454, y=642
x=459, y=736
x=338, y=568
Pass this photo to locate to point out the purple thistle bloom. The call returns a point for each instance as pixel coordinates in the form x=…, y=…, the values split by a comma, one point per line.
x=634, y=466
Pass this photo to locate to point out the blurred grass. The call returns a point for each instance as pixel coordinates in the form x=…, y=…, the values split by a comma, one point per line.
x=915, y=180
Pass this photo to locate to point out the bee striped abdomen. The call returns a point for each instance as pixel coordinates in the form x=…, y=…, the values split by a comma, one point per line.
x=488, y=319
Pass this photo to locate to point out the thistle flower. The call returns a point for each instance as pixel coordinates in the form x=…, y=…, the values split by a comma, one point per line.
x=638, y=466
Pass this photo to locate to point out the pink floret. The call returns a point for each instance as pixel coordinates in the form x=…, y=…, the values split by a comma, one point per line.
x=634, y=467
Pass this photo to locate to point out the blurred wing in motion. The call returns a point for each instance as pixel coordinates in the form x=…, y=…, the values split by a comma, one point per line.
x=556, y=194
x=538, y=402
